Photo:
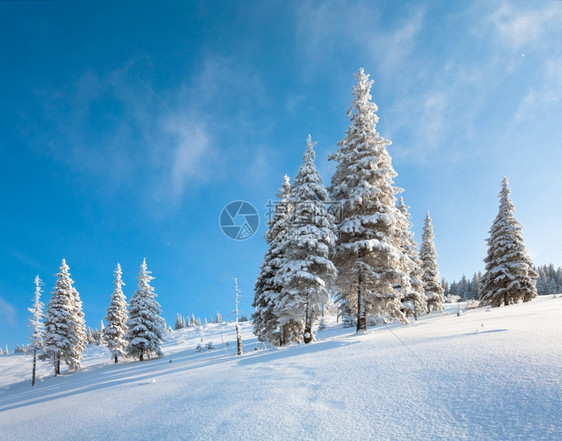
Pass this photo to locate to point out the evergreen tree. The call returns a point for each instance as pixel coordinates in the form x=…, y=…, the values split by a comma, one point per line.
x=373, y=268
x=446, y=286
x=552, y=286
x=90, y=336
x=65, y=329
x=218, y=318
x=36, y=320
x=428, y=256
x=414, y=300
x=267, y=290
x=542, y=282
x=180, y=322
x=307, y=271
x=102, y=333
x=116, y=317
x=145, y=327
x=36, y=324
x=474, y=286
x=78, y=333
x=549, y=279
x=510, y=277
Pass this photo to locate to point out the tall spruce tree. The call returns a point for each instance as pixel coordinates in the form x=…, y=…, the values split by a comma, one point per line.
x=65, y=329
x=145, y=327
x=116, y=317
x=372, y=266
x=509, y=277
x=267, y=290
x=36, y=323
x=414, y=301
x=308, y=271
x=428, y=256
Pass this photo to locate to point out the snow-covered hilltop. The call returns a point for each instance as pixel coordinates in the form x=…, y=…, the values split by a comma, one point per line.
x=487, y=374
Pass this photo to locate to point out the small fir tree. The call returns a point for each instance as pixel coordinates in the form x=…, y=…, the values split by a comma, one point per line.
x=308, y=270
x=116, y=317
x=509, y=277
x=36, y=323
x=65, y=329
x=428, y=256
x=180, y=322
x=414, y=301
x=267, y=290
x=145, y=327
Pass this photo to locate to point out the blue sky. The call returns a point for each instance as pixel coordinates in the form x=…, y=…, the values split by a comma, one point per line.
x=93, y=167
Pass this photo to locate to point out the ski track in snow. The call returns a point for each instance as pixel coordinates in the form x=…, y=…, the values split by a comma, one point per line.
x=488, y=374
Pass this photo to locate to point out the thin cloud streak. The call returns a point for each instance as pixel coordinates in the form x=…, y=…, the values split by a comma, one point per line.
x=7, y=312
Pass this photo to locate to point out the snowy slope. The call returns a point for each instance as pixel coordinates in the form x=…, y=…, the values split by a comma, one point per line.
x=488, y=374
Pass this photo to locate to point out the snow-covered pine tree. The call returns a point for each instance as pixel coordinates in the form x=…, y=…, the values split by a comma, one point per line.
x=145, y=327
x=428, y=256
x=414, y=301
x=79, y=332
x=100, y=340
x=116, y=317
x=308, y=271
x=372, y=266
x=510, y=277
x=65, y=329
x=267, y=290
x=36, y=323
x=180, y=322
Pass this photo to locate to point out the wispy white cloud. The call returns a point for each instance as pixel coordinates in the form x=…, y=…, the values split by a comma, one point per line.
x=519, y=27
x=7, y=312
x=358, y=26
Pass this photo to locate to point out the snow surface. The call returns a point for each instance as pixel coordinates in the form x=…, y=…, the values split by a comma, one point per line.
x=488, y=374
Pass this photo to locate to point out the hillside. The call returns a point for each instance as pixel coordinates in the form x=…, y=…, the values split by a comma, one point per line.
x=488, y=374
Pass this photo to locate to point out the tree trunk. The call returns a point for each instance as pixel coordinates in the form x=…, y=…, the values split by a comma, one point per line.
x=34, y=366
x=361, y=319
x=141, y=358
x=57, y=363
x=308, y=326
x=283, y=338
x=116, y=359
x=238, y=339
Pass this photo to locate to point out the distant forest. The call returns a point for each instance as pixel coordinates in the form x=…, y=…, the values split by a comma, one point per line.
x=549, y=282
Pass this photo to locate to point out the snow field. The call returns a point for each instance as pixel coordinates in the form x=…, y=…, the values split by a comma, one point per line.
x=488, y=374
